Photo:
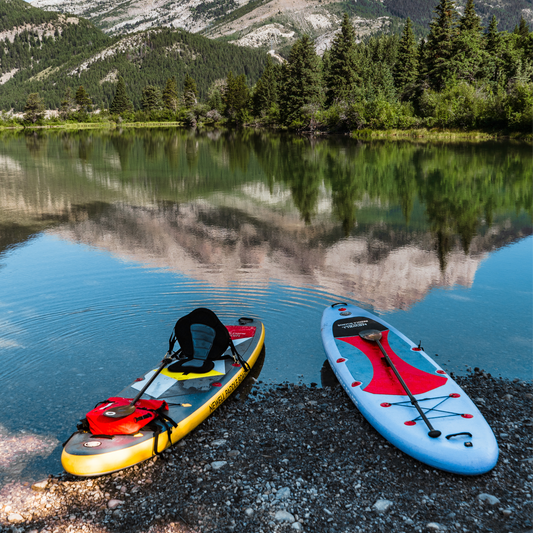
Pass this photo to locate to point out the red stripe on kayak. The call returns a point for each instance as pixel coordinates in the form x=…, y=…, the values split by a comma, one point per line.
x=241, y=332
x=384, y=381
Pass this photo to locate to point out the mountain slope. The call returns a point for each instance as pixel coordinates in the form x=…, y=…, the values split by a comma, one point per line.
x=48, y=52
x=274, y=23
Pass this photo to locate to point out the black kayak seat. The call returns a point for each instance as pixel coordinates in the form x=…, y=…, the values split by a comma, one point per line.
x=203, y=339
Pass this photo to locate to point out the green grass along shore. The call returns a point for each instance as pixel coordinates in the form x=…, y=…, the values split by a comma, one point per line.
x=437, y=134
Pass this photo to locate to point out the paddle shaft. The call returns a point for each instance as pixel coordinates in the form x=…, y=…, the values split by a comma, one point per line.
x=164, y=363
x=432, y=431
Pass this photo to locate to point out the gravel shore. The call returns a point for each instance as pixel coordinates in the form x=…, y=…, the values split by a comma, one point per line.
x=295, y=458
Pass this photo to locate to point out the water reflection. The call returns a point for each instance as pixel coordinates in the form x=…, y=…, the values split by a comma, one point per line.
x=384, y=221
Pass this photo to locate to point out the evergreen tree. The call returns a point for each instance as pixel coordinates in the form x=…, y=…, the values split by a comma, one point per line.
x=406, y=67
x=151, y=98
x=439, y=49
x=67, y=104
x=493, y=39
x=524, y=39
x=236, y=96
x=170, y=94
x=34, y=108
x=470, y=21
x=190, y=92
x=121, y=102
x=215, y=100
x=342, y=76
x=522, y=29
x=493, y=64
x=301, y=81
x=468, y=50
x=266, y=89
x=83, y=101
x=379, y=83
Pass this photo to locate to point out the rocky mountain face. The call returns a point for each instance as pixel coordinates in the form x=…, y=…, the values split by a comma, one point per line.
x=273, y=24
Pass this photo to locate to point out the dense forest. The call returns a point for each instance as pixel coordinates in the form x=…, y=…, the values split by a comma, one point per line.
x=60, y=53
x=462, y=75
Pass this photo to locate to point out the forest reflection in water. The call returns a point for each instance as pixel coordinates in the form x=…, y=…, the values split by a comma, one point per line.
x=107, y=237
x=452, y=192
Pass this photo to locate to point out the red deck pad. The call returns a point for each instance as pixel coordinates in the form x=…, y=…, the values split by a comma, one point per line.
x=241, y=332
x=384, y=381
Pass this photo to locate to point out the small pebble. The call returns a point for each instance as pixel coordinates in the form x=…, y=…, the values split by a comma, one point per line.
x=40, y=486
x=382, y=506
x=435, y=526
x=284, y=516
x=283, y=493
x=113, y=504
x=488, y=499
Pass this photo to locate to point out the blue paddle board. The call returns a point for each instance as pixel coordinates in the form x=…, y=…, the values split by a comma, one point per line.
x=446, y=431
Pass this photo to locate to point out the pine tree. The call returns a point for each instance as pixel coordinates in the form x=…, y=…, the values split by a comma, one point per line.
x=522, y=29
x=34, y=108
x=406, y=67
x=468, y=50
x=470, y=20
x=524, y=40
x=83, y=101
x=170, y=94
x=342, y=76
x=151, y=98
x=493, y=64
x=301, y=80
x=214, y=94
x=121, y=102
x=266, y=89
x=190, y=92
x=236, y=97
x=439, y=49
x=493, y=39
x=67, y=104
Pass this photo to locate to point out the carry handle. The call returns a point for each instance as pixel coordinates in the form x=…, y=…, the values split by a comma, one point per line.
x=245, y=320
x=457, y=435
x=339, y=303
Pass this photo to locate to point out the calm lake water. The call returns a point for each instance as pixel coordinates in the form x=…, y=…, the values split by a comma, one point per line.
x=107, y=238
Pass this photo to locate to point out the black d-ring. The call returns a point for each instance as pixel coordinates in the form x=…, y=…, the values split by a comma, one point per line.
x=339, y=303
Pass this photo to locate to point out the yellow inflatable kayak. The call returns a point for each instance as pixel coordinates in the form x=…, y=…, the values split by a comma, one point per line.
x=191, y=398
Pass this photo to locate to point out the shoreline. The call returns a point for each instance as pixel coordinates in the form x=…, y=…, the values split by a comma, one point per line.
x=416, y=134
x=295, y=457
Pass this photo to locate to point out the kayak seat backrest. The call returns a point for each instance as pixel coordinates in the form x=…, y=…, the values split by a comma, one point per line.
x=202, y=338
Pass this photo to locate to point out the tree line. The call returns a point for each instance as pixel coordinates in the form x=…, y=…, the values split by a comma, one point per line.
x=461, y=75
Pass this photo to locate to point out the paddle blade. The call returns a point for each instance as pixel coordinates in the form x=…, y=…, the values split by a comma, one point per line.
x=370, y=335
x=120, y=411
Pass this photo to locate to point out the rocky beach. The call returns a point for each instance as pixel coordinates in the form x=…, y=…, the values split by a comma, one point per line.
x=295, y=457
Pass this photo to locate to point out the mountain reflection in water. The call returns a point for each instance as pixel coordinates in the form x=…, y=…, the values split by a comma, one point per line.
x=381, y=222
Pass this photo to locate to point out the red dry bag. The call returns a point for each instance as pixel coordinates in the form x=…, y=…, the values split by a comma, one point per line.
x=145, y=412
